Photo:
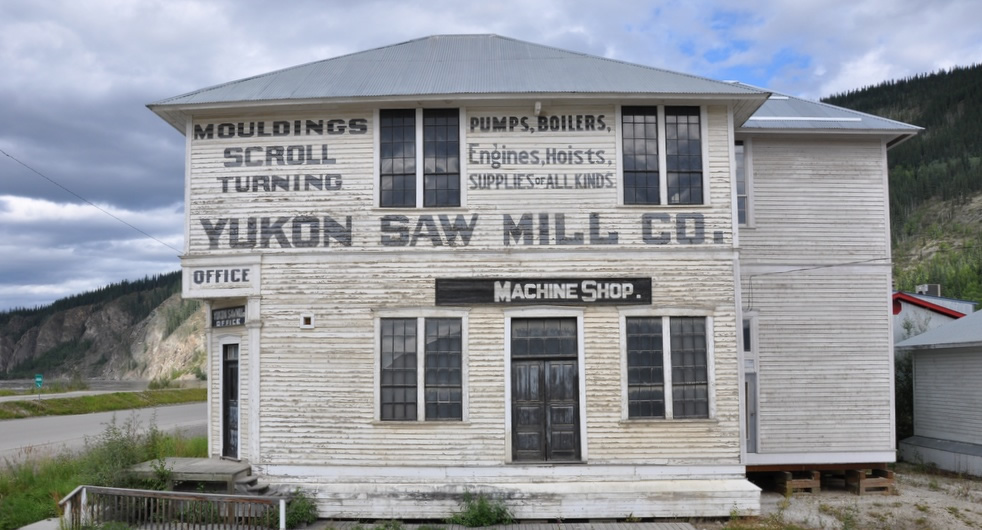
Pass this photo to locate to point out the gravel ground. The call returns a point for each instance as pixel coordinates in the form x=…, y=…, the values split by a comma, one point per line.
x=923, y=500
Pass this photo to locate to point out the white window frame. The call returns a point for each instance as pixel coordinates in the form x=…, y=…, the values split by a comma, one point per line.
x=544, y=312
x=226, y=340
x=666, y=315
x=421, y=316
x=748, y=177
x=663, y=156
x=462, y=165
x=749, y=355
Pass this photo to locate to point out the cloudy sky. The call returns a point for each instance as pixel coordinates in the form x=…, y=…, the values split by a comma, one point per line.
x=75, y=78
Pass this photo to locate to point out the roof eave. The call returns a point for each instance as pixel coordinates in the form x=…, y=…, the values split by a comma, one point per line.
x=896, y=137
x=177, y=114
x=942, y=346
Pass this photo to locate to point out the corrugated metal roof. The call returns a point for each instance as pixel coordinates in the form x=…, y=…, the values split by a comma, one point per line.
x=784, y=112
x=962, y=306
x=966, y=331
x=459, y=64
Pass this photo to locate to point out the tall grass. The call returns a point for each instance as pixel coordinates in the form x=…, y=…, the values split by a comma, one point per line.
x=30, y=488
x=29, y=408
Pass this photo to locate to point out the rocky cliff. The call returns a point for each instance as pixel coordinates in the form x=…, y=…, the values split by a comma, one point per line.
x=140, y=330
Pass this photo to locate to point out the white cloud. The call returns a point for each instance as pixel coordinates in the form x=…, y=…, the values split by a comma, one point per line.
x=76, y=77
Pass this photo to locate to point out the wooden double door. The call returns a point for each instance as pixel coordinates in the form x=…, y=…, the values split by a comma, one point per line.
x=545, y=390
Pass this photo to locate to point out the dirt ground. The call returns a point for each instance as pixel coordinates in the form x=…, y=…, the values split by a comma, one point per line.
x=924, y=500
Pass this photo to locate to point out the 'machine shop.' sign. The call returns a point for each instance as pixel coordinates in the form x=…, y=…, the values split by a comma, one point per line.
x=543, y=291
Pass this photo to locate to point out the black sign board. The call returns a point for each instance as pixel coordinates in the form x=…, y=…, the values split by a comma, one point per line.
x=543, y=291
x=228, y=316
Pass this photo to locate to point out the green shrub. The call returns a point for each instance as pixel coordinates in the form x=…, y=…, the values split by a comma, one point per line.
x=30, y=488
x=160, y=383
x=300, y=511
x=481, y=511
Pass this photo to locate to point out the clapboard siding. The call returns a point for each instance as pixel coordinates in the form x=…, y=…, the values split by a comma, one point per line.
x=947, y=395
x=824, y=360
x=318, y=385
x=817, y=200
x=354, y=157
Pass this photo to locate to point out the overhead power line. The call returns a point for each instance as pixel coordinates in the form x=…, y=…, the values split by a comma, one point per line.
x=90, y=203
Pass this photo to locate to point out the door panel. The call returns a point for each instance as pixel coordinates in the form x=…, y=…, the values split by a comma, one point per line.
x=563, y=403
x=528, y=411
x=750, y=393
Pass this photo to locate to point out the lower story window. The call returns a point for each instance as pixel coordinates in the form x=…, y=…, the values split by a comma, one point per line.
x=441, y=341
x=661, y=364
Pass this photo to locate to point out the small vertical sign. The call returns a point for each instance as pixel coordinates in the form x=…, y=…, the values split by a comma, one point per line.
x=38, y=381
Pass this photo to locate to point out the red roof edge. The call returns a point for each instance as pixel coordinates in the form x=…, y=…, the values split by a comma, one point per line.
x=900, y=296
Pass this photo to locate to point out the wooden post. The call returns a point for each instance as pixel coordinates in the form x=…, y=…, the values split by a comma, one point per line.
x=85, y=515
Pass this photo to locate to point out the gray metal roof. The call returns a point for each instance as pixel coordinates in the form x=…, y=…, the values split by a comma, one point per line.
x=964, y=332
x=459, y=65
x=962, y=306
x=783, y=112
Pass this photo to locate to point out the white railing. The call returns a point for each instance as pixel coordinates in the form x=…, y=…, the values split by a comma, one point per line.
x=94, y=505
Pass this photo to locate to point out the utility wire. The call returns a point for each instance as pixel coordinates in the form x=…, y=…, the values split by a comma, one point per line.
x=90, y=203
x=750, y=279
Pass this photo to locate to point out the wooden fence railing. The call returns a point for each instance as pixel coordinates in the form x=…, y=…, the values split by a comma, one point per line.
x=94, y=505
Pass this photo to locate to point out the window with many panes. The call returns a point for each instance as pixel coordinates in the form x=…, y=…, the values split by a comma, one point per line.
x=662, y=155
x=402, y=395
x=397, y=157
x=434, y=135
x=741, y=153
x=667, y=367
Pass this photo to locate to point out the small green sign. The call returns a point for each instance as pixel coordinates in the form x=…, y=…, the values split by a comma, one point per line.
x=38, y=380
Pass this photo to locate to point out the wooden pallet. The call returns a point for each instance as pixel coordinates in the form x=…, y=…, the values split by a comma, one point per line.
x=865, y=481
x=788, y=482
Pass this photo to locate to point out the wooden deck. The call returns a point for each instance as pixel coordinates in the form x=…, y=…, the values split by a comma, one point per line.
x=196, y=470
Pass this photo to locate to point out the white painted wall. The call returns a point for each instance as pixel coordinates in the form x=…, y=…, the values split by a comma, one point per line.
x=947, y=393
x=914, y=320
x=815, y=269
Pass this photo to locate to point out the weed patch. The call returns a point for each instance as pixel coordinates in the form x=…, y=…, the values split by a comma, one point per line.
x=300, y=511
x=481, y=511
x=30, y=489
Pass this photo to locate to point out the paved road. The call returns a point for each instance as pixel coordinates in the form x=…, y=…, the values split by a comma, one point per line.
x=50, y=434
x=76, y=393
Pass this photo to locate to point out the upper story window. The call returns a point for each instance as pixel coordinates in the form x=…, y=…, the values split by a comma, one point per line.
x=741, y=183
x=397, y=158
x=662, y=155
x=405, y=137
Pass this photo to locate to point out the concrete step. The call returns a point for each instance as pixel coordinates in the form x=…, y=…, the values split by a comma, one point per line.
x=250, y=485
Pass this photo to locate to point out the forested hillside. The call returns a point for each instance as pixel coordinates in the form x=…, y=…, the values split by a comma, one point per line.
x=935, y=178
x=132, y=329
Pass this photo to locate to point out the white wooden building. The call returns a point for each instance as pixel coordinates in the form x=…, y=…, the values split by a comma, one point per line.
x=947, y=365
x=914, y=313
x=472, y=263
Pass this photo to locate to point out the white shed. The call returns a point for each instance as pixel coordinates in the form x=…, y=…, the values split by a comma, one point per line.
x=947, y=365
x=914, y=314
